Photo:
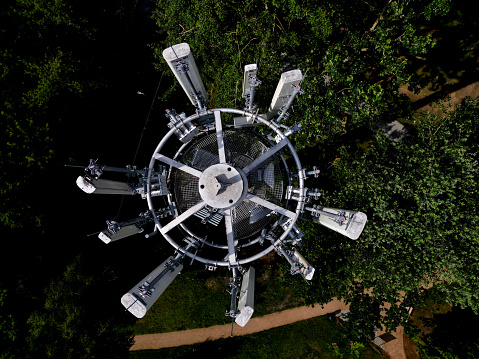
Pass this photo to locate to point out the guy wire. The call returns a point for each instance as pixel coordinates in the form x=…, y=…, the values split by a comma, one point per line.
x=141, y=136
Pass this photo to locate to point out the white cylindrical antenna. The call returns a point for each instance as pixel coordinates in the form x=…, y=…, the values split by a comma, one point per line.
x=299, y=265
x=126, y=231
x=191, y=78
x=121, y=230
x=307, y=271
x=348, y=223
x=234, y=284
x=246, y=299
x=250, y=82
x=101, y=186
x=142, y=296
x=285, y=89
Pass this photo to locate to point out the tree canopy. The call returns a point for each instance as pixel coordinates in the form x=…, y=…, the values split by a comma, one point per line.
x=53, y=80
x=420, y=195
x=40, y=69
x=355, y=53
x=76, y=314
x=446, y=335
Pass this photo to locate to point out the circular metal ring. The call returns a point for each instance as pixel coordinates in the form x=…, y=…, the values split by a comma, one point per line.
x=282, y=137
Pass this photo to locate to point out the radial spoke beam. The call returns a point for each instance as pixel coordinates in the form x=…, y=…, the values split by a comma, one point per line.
x=257, y=162
x=230, y=238
x=182, y=217
x=269, y=205
x=179, y=165
x=220, y=137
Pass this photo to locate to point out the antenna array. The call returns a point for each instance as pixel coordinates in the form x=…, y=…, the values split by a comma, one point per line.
x=221, y=173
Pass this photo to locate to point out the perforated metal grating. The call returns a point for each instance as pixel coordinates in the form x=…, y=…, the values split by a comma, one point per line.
x=241, y=149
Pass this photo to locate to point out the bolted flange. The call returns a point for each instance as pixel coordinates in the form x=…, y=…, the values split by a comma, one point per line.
x=223, y=186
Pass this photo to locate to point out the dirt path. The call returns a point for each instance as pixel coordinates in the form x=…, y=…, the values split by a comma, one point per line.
x=255, y=325
x=258, y=324
x=456, y=97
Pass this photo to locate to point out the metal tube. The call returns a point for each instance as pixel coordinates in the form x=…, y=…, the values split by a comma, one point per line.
x=323, y=213
x=234, y=291
x=285, y=108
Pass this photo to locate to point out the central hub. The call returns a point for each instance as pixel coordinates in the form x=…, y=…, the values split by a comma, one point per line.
x=222, y=186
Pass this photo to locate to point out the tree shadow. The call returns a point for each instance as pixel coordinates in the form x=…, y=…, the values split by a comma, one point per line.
x=453, y=333
x=453, y=61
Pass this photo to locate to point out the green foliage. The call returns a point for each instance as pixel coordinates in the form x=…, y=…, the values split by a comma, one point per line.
x=420, y=196
x=8, y=327
x=40, y=69
x=353, y=350
x=75, y=321
x=52, y=64
x=355, y=53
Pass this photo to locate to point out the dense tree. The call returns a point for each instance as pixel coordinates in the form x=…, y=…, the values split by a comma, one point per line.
x=58, y=62
x=76, y=320
x=355, y=53
x=8, y=327
x=420, y=195
x=40, y=70
x=58, y=59
x=440, y=331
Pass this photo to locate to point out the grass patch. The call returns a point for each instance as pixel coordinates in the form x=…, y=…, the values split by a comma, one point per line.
x=438, y=330
x=312, y=338
x=198, y=298
x=195, y=299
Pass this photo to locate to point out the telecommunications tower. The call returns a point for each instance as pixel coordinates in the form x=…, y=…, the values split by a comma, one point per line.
x=221, y=167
